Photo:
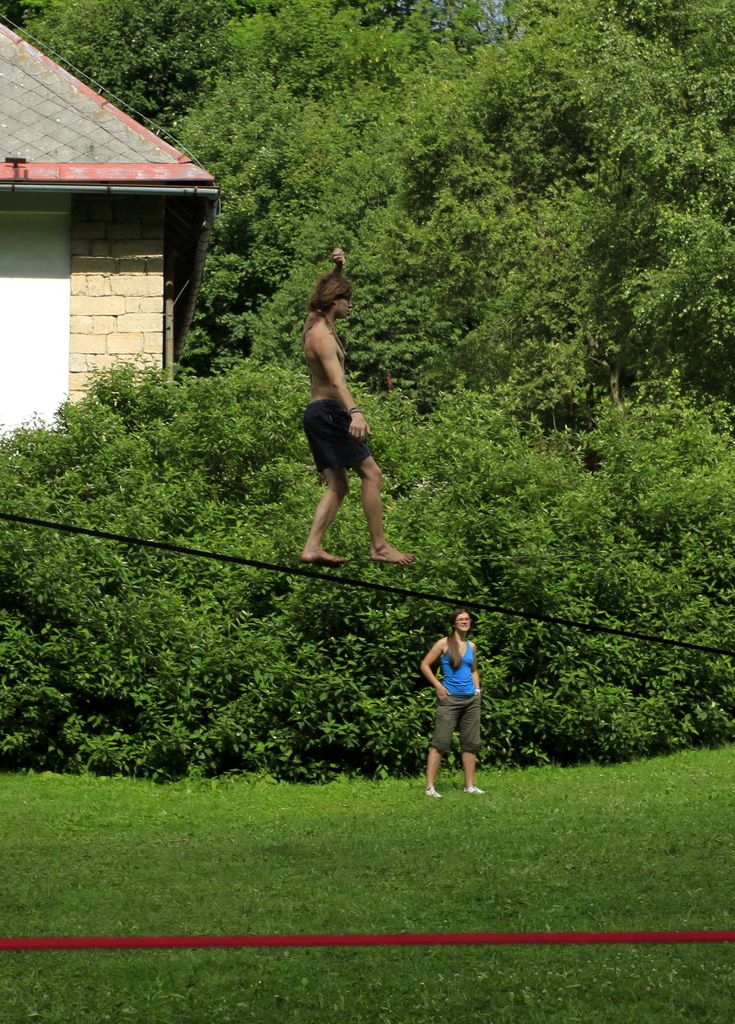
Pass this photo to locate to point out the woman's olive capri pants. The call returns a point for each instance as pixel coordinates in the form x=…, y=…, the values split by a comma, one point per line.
x=452, y=711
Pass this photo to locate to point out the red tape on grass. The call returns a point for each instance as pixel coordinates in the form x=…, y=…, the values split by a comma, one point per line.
x=396, y=939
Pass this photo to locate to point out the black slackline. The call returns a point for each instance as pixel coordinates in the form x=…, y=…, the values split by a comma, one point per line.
x=350, y=581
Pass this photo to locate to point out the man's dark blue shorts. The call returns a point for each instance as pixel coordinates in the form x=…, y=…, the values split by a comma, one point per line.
x=327, y=428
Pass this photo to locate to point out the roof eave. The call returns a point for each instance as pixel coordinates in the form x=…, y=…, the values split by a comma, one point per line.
x=28, y=172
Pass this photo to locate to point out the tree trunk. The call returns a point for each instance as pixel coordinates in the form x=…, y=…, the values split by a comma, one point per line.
x=616, y=382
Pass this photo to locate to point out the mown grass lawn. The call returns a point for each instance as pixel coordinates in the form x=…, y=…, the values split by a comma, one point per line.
x=643, y=846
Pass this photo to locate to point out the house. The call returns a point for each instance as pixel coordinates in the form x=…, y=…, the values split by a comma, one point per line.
x=103, y=233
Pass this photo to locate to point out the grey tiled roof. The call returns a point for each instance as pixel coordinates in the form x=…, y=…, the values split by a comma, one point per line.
x=48, y=116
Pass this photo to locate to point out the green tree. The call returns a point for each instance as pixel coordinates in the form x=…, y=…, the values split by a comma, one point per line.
x=658, y=218
x=570, y=207
x=18, y=12
x=549, y=212
x=156, y=57
x=299, y=136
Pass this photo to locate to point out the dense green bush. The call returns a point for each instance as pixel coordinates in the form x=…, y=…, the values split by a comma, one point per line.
x=121, y=659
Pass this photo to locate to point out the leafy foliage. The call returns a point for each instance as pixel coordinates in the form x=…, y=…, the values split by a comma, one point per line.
x=551, y=208
x=529, y=193
x=128, y=660
x=536, y=201
x=156, y=57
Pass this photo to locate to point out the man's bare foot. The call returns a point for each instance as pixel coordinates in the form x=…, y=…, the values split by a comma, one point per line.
x=387, y=553
x=321, y=557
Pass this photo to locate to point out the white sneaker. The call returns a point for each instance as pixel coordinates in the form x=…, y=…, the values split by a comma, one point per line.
x=473, y=789
x=430, y=791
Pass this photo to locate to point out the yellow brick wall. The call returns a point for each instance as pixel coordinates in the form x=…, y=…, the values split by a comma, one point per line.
x=116, y=285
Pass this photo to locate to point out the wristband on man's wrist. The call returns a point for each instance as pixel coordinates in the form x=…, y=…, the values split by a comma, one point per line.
x=353, y=410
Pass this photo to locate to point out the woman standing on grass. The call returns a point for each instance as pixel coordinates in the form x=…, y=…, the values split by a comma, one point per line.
x=458, y=696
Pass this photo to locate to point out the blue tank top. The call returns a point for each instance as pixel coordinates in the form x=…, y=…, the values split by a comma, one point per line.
x=459, y=681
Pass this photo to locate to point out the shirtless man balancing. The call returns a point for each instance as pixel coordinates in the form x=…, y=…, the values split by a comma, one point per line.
x=335, y=427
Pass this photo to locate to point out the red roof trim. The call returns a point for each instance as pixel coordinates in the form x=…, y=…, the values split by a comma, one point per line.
x=91, y=94
x=94, y=174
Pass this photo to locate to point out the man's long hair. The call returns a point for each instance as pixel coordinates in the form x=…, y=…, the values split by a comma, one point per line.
x=328, y=289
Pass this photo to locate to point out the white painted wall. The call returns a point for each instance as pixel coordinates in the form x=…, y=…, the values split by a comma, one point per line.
x=34, y=306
